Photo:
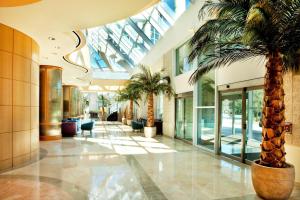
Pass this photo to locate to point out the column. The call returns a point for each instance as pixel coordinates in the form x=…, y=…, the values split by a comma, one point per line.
x=51, y=106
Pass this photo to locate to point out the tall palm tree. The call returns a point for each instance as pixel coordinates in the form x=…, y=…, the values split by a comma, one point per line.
x=103, y=101
x=132, y=94
x=151, y=84
x=242, y=29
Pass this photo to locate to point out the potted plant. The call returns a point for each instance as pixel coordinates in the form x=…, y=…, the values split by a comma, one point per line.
x=239, y=30
x=151, y=84
x=132, y=94
x=103, y=102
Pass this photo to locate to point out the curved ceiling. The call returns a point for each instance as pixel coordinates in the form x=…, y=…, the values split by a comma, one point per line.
x=51, y=22
x=11, y=3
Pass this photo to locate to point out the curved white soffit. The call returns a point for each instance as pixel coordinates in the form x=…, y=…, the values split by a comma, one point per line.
x=58, y=18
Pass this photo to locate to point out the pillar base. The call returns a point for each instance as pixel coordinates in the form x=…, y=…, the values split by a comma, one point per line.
x=50, y=137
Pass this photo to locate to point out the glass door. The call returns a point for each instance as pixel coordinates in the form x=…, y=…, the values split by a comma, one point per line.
x=184, y=118
x=240, y=125
x=188, y=118
x=231, y=124
x=254, y=105
x=179, y=118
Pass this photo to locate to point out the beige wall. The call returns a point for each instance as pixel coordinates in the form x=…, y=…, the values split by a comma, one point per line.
x=19, y=98
x=292, y=114
x=241, y=71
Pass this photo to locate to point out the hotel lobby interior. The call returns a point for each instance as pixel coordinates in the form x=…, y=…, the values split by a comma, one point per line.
x=149, y=99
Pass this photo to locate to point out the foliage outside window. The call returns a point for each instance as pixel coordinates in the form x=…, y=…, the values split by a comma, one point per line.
x=182, y=54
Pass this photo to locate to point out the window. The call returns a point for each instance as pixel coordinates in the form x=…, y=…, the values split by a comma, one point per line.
x=182, y=54
x=159, y=106
x=206, y=111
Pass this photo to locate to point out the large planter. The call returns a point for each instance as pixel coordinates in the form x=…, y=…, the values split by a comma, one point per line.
x=149, y=132
x=129, y=121
x=273, y=183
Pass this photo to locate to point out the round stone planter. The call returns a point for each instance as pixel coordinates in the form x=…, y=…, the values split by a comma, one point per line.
x=129, y=122
x=149, y=132
x=273, y=183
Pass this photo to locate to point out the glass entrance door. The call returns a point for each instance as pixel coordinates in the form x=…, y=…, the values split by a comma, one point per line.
x=254, y=105
x=240, y=126
x=231, y=124
x=184, y=118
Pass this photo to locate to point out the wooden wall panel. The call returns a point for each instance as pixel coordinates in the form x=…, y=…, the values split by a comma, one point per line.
x=35, y=52
x=21, y=93
x=21, y=144
x=22, y=44
x=5, y=91
x=19, y=98
x=34, y=95
x=21, y=68
x=6, y=38
x=5, y=146
x=35, y=73
x=34, y=118
x=34, y=139
x=5, y=64
x=21, y=118
x=6, y=119
x=21, y=160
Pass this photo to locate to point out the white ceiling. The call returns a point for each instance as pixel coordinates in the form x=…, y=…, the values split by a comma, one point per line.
x=58, y=18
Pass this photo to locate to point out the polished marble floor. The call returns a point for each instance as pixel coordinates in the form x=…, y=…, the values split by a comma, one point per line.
x=116, y=163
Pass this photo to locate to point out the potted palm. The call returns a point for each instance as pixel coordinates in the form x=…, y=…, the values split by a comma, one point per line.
x=151, y=84
x=239, y=30
x=103, y=102
x=132, y=94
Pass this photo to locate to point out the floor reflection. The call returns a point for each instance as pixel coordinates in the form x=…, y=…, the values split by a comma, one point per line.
x=115, y=163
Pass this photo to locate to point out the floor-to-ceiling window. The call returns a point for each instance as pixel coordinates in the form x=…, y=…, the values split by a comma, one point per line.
x=206, y=111
x=184, y=118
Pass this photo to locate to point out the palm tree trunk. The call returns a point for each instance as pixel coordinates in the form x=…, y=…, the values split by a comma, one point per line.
x=130, y=113
x=273, y=152
x=150, y=114
x=103, y=111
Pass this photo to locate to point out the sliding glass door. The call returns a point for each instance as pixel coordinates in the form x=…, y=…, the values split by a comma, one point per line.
x=231, y=124
x=184, y=118
x=240, y=125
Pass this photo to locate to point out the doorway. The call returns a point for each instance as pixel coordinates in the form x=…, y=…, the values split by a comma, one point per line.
x=240, y=123
x=184, y=118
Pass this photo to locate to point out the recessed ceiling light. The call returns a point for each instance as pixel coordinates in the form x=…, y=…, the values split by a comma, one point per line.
x=57, y=47
x=51, y=38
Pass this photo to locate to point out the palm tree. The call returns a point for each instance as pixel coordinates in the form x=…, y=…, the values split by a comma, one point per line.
x=242, y=29
x=132, y=94
x=103, y=101
x=151, y=84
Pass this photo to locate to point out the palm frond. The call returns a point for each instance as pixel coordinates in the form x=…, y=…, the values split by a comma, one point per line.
x=222, y=57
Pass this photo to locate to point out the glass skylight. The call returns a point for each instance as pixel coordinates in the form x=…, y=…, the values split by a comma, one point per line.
x=120, y=46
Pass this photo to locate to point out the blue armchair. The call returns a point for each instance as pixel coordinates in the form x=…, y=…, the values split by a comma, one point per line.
x=138, y=124
x=87, y=126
